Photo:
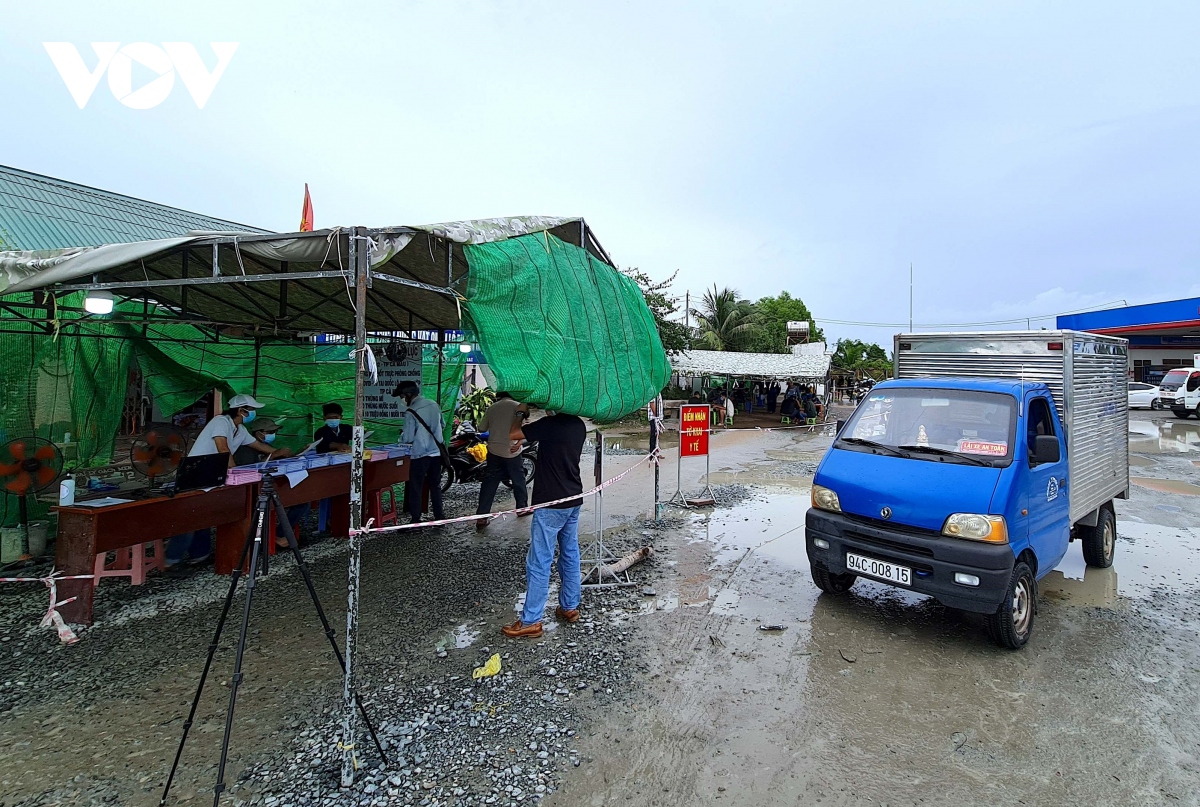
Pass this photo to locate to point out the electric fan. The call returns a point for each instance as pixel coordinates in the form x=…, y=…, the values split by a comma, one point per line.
x=28, y=465
x=156, y=454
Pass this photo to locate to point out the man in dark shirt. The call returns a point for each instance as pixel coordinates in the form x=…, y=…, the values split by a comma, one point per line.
x=334, y=435
x=560, y=444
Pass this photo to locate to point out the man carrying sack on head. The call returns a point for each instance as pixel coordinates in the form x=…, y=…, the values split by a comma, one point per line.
x=560, y=443
x=423, y=431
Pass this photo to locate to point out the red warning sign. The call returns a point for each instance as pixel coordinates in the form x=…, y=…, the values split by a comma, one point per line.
x=693, y=431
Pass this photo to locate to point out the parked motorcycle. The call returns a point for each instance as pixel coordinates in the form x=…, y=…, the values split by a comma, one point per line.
x=465, y=462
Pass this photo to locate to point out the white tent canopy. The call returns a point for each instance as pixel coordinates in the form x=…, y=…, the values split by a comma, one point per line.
x=749, y=365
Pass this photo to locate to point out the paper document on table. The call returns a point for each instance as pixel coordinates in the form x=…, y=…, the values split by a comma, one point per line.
x=312, y=447
x=107, y=501
x=296, y=477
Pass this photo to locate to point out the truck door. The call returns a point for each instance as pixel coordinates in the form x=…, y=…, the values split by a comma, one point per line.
x=1045, y=490
x=1192, y=390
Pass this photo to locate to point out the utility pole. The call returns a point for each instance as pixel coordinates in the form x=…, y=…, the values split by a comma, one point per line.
x=910, y=297
x=687, y=310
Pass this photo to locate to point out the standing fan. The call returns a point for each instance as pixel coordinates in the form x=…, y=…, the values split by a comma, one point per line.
x=158, y=451
x=28, y=465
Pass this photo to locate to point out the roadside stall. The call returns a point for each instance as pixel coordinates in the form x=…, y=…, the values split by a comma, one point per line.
x=539, y=297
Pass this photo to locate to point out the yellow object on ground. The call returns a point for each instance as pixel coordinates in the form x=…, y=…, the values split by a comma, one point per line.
x=489, y=669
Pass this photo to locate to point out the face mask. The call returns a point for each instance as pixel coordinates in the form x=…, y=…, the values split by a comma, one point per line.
x=249, y=418
x=269, y=438
x=333, y=423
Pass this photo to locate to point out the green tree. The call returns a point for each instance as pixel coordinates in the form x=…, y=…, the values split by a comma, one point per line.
x=771, y=316
x=725, y=321
x=675, y=336
x=852, y=354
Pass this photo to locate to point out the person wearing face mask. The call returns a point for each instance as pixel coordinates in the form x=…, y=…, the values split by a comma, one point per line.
x=333, y=434
x=423, y=431
x=264, y=431
x=224, y=434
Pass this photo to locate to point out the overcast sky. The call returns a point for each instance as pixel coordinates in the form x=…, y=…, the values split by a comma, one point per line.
x=1026, y=158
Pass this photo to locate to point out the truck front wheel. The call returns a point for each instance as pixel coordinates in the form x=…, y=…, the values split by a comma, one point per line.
x=1182, y=414
x=1100, y=541
x=832, y=583
x=1012, y=623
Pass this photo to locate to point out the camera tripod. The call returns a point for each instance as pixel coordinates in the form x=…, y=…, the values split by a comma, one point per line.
x=254, y=548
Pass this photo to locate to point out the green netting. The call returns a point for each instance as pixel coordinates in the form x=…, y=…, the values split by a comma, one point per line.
x=561, y=329
x=51, y=386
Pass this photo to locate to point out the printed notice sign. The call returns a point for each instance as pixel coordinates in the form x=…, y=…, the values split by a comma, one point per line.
x=400, y=361
x=693, y=431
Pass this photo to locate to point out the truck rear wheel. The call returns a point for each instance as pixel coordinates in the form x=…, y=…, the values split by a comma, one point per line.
x=1012, y=623
x=1100, y=541
x=1182, y=414
x=831, y=583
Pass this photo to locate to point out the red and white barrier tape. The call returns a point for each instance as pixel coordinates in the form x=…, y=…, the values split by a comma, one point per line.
x=369, y=530
x=53, y=617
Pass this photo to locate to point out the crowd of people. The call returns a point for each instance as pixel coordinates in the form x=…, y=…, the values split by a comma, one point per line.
x=793, y=399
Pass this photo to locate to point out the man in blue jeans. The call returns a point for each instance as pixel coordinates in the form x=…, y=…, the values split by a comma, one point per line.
x=560, y=444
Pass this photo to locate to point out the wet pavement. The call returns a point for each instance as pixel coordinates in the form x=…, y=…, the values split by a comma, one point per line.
x=673, y=693
x=886, y=697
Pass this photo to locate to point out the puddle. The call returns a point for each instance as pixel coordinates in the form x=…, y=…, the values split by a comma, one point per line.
x=1154, y=559
x=1166, y=485
x=667, y=602
x=726, y=601
x=460, y=638
x=1164, y=437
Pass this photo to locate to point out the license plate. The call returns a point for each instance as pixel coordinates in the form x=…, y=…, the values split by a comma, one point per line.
x=880, y=569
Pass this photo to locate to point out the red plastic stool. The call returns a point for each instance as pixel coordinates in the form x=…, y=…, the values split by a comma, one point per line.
x=376, y=511
x=131, y=562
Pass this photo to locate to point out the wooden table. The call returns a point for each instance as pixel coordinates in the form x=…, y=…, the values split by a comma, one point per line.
x=331, y=482
x=84, y=532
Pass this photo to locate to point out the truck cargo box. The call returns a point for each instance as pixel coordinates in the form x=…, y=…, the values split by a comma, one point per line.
x=1086, y=373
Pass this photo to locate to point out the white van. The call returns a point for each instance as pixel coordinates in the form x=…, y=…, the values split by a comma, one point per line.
x=1181, y=392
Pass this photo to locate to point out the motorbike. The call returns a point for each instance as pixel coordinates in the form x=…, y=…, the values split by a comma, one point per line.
x=466, y=467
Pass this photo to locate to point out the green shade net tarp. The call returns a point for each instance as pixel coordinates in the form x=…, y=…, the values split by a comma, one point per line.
x=561, y=329
x=77, y=384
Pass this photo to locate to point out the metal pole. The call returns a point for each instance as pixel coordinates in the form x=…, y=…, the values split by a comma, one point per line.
x=655, y=423
x=910, y=297
x=360, y=260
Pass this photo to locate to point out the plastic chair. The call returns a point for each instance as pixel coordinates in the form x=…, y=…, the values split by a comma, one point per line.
x=375, y=509
x=131, y=562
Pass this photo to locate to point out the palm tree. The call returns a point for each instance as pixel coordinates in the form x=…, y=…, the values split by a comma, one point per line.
x=725, y=322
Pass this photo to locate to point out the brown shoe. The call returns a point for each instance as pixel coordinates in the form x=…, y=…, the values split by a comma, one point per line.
x=519, y=630
x=481, y=524
x=563, y=613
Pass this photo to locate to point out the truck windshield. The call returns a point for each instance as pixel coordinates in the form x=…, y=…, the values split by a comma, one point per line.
x=1174, y=380
x=975, y=426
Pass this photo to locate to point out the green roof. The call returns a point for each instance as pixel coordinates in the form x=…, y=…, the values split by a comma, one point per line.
x=39, y=212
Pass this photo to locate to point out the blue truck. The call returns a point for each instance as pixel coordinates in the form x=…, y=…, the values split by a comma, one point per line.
x=967, y=476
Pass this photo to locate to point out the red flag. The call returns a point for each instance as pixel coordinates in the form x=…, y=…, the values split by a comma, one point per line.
x=306, y=215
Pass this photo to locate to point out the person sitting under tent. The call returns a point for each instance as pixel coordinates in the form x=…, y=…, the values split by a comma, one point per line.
x=332, y=436
x=264, y=431
x=696, y=399
x=224, y=434
x=790, y=409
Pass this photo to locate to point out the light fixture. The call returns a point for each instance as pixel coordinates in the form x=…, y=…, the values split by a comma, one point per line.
x=99, y=301
x=464, y=347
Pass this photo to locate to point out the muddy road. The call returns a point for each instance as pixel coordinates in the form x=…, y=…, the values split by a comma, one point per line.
x=673, y=696
x=882, y=697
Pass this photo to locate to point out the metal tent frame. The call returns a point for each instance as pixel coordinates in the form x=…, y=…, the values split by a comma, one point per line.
x=347, y=281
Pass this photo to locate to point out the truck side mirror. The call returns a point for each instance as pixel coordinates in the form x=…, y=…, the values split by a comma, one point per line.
x=1045, y=449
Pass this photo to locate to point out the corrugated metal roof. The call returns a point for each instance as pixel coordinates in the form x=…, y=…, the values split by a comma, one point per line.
x=756, y=365
x=40, y=212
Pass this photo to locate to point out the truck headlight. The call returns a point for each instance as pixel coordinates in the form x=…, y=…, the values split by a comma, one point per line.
x=825, y=499
x=977, y=528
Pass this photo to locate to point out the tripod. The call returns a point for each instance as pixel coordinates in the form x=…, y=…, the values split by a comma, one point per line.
x=267, y=496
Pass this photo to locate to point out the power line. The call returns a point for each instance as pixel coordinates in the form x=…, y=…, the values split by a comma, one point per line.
x=1012, y=321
